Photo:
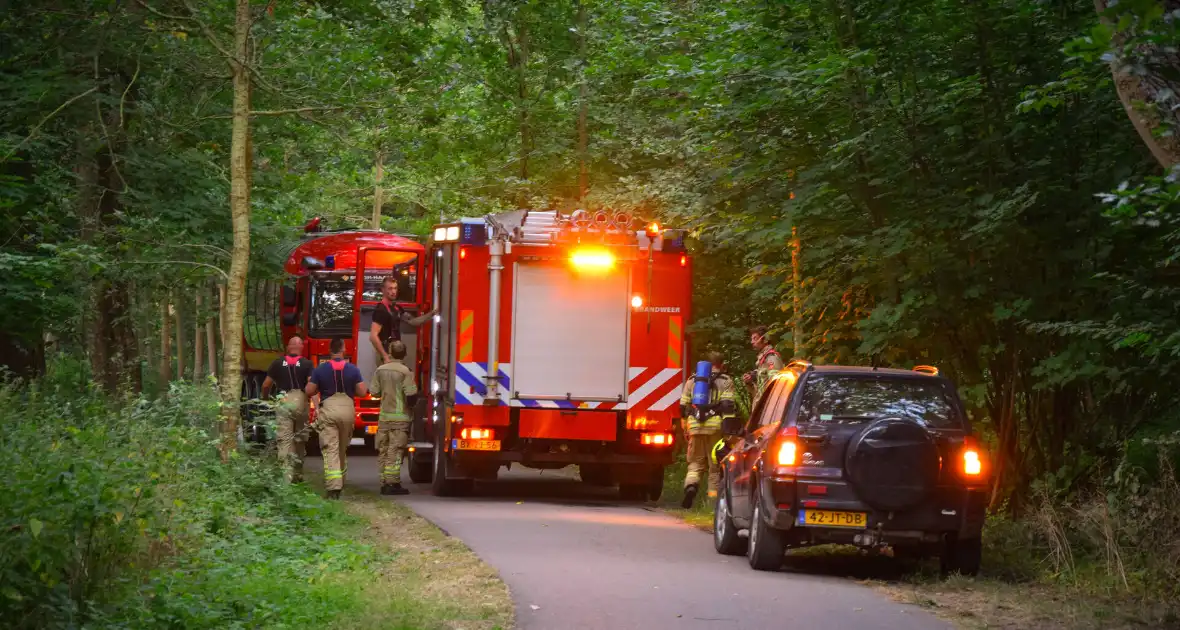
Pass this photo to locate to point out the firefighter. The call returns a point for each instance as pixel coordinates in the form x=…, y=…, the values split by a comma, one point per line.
x=388, y=317
x=769, y=361
x=703, y=427
x=290, y=374
x=394, y=384
x=336, y=381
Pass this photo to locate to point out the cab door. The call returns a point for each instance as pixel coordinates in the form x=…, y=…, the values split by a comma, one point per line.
x=374, y=264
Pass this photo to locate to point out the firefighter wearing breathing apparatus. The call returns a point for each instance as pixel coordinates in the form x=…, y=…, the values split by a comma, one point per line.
x=707, y=399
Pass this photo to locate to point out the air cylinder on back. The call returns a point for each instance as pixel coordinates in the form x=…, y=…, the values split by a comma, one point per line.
x=700, y=389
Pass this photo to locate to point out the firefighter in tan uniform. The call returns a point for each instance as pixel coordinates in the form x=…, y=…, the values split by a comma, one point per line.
x=394, y=384
x=290, y=374
x=703, y=427
x=769, y=362
x=336, y=381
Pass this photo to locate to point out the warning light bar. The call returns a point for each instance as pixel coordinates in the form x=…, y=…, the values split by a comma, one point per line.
x=592, y=259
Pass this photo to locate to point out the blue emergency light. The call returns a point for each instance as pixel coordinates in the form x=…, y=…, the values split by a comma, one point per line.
x=473, y=233
x=330, y=261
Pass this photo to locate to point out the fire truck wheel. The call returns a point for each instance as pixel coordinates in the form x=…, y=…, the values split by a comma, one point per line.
x=595, y=475
x=655, y=487
x=440, y=485
x=421, y=468
x=632, y=492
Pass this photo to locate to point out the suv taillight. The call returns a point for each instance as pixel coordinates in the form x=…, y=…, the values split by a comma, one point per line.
x=787, y=450
x=971, y=461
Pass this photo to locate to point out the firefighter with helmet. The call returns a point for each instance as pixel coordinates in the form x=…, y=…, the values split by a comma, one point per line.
x=702, y=425
x=393, y=382
x=769, y=361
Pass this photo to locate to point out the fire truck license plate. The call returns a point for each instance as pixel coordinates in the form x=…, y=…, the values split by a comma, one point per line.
x=476, y=445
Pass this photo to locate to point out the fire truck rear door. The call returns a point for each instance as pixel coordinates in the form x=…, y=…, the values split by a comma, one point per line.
x=570, y=332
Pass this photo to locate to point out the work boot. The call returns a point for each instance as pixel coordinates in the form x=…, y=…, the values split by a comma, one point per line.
x=690, y=495
x=395, y=489
x=386, y=488
x=333, y=495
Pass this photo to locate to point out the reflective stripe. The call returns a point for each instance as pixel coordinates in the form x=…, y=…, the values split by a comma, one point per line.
x=675, y=330
x=467, y=336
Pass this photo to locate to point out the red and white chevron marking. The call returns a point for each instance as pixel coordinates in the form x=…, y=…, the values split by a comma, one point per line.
x=650, y=389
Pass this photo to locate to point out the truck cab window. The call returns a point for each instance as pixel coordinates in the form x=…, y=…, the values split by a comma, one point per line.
x=331, y=306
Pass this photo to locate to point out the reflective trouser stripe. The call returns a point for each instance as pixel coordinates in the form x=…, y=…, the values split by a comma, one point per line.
x=699, y=461
x=392, y=439
x=291, y=434
x=334, y=421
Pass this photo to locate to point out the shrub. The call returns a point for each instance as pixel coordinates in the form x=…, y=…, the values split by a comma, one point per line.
x=120, y=513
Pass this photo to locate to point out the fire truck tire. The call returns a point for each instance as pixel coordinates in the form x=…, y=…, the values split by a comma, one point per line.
x=440, y=485
x=421, y=468
x=655, y=487
x=632, y=491
x=595, y=475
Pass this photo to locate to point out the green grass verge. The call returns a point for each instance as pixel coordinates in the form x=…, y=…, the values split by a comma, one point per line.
x=123, y=516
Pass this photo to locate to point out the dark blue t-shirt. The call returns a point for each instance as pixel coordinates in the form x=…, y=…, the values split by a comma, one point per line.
x=327, y=379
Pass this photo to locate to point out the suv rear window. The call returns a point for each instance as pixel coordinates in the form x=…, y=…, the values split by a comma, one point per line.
x=856, y=399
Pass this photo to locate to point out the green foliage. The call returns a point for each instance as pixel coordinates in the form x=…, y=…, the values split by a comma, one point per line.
x=124, y=516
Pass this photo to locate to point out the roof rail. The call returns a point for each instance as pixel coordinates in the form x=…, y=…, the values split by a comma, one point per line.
x=803, y=363
x=926, y=369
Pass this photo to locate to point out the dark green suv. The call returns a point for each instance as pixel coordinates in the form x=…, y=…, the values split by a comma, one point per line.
x=871, y=457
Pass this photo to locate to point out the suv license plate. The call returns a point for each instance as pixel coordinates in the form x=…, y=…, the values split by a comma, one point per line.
x=476, y=445
x=829, y=518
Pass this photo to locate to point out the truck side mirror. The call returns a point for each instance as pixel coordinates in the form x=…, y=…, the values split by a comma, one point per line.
x=289, y=295
x=290, y=319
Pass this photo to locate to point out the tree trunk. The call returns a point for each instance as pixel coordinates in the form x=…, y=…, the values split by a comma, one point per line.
x=210, y=337
x=239, y=205
x=221, y=297
x=796, y=296
x=377, y=196
x=1150, y=98
x=165, y=366
x=198, y=347
x=583, y=134
x=177, y=312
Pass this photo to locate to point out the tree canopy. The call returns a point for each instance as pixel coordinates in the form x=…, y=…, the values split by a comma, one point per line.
x=971, y=184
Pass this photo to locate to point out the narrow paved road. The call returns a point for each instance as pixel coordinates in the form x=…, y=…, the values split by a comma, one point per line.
x=574, y=558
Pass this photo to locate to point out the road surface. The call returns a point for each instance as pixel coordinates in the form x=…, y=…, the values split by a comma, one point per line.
x=574, y=558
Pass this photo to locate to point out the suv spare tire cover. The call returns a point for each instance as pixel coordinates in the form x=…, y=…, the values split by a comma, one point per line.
x=893, y=464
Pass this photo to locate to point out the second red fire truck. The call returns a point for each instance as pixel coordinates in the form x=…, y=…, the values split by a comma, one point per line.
x=559, y=340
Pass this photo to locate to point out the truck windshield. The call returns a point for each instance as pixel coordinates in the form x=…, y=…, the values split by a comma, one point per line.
x=859, y=399
x=331, y=296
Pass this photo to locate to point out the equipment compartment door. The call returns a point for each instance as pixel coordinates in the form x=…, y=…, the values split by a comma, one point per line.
x=570, y=333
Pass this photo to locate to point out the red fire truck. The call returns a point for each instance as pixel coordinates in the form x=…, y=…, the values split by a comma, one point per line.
x=333, y=285
x=559, y=340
